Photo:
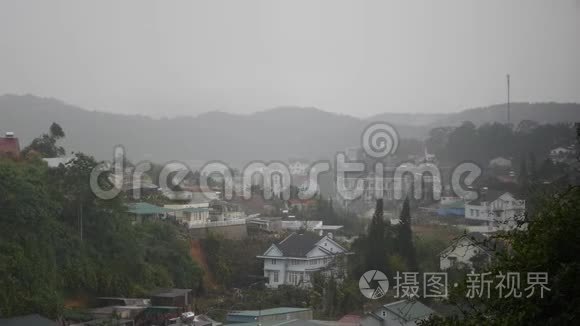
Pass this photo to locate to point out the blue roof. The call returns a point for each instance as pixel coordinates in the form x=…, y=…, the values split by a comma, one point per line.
x=143, y=208
x=146, y=209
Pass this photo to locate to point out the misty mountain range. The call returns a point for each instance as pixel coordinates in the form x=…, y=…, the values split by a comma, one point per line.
x=276, y=134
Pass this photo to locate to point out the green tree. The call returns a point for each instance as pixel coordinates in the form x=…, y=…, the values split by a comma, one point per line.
x=48, y=255
x=29, y=280
x=46, y=145
x=405, y=245
x=550, y=244
x=376, y=257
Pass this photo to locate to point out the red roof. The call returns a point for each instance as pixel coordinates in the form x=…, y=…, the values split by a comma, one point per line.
x=9, y=147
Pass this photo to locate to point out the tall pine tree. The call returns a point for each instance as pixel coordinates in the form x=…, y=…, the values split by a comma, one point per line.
x=377, y=251
x=405, y=237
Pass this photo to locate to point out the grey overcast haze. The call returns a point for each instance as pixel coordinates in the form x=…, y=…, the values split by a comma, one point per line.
x=170, y=58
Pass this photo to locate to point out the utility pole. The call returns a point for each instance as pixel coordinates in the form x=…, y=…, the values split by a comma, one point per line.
x=508, y=99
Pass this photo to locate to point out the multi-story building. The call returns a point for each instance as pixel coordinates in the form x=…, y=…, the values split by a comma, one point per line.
x=499, y=209
x=294, y=260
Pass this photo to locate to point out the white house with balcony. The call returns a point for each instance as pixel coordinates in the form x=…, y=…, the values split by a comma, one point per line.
x=499, y=209
x=295, y=259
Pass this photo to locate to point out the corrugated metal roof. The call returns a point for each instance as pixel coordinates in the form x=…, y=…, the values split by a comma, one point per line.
x=267, y=312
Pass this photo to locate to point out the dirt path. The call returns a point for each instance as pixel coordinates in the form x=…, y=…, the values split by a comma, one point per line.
x=199, y=257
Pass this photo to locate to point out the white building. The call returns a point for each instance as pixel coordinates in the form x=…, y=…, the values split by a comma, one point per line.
x=498, y=209
x=463, y=249
x=399, y=313
x=191, y=214
x=500, y=162
x=560, y=154
x=54, y=162
x=295, y=259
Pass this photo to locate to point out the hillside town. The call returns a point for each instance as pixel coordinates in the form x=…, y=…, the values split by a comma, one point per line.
x=289, y=163
x=273, y=261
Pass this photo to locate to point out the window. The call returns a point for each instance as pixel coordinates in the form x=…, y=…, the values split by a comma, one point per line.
x=293, y=277
x=452, y=260
x=275, y=277
x=273, y=261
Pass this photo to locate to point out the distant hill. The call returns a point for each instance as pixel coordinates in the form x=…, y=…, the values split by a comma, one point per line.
x=540, y=112
x=411, y=119
x=276, y=134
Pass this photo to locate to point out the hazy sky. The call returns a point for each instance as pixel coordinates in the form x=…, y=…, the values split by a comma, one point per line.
x=166, y=58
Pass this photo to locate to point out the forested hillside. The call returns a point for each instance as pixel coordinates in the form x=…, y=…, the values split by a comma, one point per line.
x=49, y=257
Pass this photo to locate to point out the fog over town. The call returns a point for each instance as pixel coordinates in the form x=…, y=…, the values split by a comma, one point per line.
x=266, y=163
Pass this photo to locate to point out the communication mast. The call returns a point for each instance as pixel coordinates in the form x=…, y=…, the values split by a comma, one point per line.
x=508, y=99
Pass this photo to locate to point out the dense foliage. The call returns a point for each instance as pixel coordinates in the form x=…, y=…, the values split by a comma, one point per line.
x=59, y=242
x=481, y=144
x=549, y=245
x=45, y=145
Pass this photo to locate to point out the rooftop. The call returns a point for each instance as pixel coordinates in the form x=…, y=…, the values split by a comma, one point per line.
x=489, y=196
x=34, y=320
x=143, y=208
x=328, y=227
x=291, y=322
x=409, y=310
x=480, y=240
x=267, y=312
x=170, y=293
x=146, y=209
x=298, y=245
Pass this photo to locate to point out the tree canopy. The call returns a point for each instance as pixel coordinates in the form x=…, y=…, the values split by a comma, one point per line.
x=59, y=241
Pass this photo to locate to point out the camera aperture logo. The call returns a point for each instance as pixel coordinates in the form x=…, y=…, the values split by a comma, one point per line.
x=373, y=284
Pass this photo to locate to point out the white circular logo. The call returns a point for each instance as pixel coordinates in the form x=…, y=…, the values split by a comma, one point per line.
x=373, y=278
x=380, y=139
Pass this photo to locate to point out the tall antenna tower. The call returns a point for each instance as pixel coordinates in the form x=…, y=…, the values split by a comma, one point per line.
x=508, y=99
